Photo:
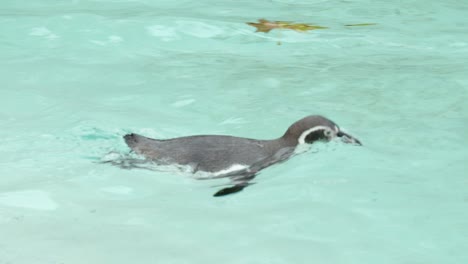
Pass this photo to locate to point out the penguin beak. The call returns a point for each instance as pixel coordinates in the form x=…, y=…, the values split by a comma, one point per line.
x=348, y=139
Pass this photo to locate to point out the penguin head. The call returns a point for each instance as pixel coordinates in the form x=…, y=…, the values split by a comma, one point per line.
x=315, y=128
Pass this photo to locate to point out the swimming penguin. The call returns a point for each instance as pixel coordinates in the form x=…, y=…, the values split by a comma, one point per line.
x=238, y=158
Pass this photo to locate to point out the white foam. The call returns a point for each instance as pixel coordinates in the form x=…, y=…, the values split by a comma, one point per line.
x=458, y=44
x=114, y=39
x=233, y=120
x=98, y=42
x=182, y=103
x=30, y=199
x=42, y=32
x=199, y=29
x=123, y=190
x=162, y=32
x=272, y=82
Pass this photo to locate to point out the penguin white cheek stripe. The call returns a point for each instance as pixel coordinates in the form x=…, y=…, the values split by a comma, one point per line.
x=304, y=134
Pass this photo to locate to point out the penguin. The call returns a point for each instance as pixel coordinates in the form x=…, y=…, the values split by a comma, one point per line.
x=238, y=158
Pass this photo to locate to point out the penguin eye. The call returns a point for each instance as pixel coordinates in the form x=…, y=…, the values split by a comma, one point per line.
x=328, y=133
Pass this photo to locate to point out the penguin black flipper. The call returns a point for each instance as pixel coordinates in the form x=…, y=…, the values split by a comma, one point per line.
x=230, y=190
x=242, y=179
x=240, y=182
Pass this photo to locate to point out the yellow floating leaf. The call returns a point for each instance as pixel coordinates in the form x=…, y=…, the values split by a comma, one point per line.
x=266, y=26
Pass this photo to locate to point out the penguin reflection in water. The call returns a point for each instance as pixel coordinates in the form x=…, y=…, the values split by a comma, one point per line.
x=239, y=159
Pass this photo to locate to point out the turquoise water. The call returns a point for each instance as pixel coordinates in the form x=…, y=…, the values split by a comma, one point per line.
x=77, y=75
